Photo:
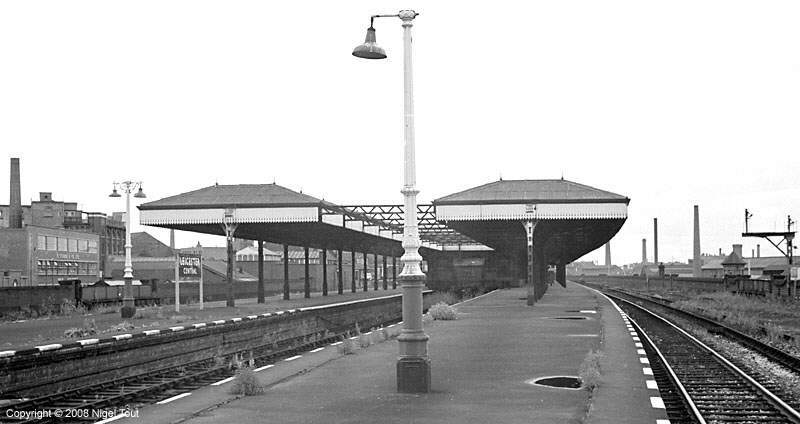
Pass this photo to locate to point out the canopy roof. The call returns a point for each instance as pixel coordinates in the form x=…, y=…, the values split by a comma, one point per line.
x=531, y=191
x=249, y=195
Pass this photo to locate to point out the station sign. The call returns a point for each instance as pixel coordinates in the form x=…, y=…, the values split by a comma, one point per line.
x=189, y=266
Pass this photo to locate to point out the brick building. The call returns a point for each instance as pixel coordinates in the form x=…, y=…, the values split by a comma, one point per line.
x=45, y=256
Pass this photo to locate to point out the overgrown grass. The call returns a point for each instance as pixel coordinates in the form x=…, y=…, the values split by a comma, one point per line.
x=589, y=371
x=443, y=311
x=89, y=329
x=770, y=319
x=447, y=298
x=246, y=383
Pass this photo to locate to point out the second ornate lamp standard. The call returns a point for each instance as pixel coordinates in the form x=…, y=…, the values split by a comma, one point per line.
x=128, y=302
x=413, y=365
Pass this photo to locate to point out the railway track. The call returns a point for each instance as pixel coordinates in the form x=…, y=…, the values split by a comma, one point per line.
x=698, y=384
x=776, y=355
x=153, y=386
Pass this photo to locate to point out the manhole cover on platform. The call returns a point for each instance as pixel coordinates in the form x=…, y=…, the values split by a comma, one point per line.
x=561, y=382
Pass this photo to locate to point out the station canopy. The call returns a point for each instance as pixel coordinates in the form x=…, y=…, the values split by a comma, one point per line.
x=277, y=214
x=571, y=219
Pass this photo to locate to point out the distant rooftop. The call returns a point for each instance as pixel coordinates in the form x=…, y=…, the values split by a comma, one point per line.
x=533, y=191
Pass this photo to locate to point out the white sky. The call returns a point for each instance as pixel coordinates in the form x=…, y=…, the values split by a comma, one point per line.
x=669, y=103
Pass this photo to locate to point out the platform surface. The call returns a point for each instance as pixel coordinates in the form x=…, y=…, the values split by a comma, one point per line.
x=481, y=367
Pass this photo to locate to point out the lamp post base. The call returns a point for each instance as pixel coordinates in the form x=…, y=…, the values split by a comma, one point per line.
x=414, y=375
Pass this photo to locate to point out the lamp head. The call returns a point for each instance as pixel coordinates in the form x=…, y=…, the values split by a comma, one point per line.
x=114, y=193
x=139, y=194
x=369, y=50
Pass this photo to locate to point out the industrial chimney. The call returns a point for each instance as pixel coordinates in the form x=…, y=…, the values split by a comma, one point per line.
x=15, y=202
x=644, y=251
x=696, y=263
x=758, y=250
x=655, y=240
x=608, y=254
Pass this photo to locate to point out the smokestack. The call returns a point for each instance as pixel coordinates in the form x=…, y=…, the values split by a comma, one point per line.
x=655, y=240
x=644, y=251
x=608, y=254
x=15, y=202
x=737, y=248
x=752, y=253
x=758, y=250
x=720, y=251
x=696, y=262
x=172, y=238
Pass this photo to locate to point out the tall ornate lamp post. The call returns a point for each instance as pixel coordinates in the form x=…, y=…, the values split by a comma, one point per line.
x=413, y=365
x=128, y=305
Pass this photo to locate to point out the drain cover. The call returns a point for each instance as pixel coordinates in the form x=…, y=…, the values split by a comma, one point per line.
x=561, y=382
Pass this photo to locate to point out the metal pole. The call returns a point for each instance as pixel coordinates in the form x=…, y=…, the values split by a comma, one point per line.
x=260, y=271
x=285, y=272
x=340, y=284
x=177, y=285
x=413, y=365
x=202, y=304
x=307, y=282
x=375, y=271
x=128, y=304
x=385, y=282
x=324, y=272
x=353, y=271
x=366, y=280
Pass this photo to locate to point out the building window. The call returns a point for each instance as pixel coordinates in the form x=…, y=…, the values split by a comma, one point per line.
x=92, y=246
x=62, y=244
x=51, y=243
x=41, y=243
x=72, y=245
x=83, y=246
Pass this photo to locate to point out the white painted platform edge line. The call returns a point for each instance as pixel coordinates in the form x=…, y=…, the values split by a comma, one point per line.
x=588, y=312
x=88, y=342
x=223, y=381
x=657, y=402
x=151, y=332
x=114, y=418
x=651, y=384
x=647, y=371
x=236, y=319
x=637, y=339
x=122, y=336
x=168, y=400
x=266, y=315
x=644, y=360
x=336, y=344
x=641, y=352
x=293, y=358
x=219, y=321
x=48, y=347
x=638, y=344
x=263, y=368
x=5, y=353
x=178, y=328
x=663, y=422
x=200, y=325
x=319, y=349
x=252, y=316
x=353, y=338
x=368, y=333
